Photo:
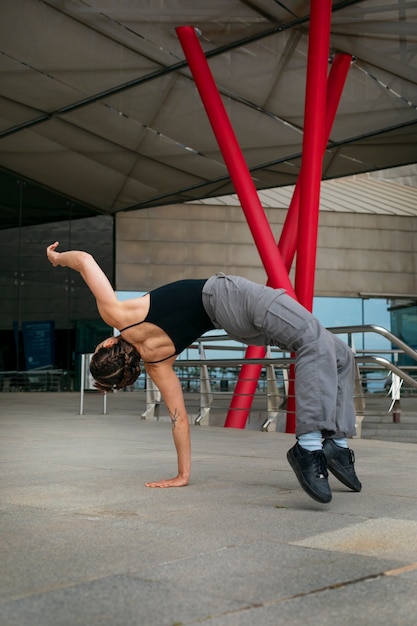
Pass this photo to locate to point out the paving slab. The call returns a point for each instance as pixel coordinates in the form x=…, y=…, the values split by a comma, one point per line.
x=84, y=542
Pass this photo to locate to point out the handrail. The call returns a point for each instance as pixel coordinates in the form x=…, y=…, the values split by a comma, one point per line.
x=232, y=362
x=387, y=365
x=270, y=361
x=367, y=358
x=380, y=330
x=336, y=330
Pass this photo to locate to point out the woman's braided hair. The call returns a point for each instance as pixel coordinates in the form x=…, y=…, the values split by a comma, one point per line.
x=115, y=366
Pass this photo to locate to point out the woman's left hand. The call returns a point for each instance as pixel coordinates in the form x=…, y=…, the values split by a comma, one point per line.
x=52, y=254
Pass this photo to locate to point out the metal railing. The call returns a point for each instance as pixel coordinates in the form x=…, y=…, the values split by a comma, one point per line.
x=42, y=379
x=213, y=379
x=380, y=330
x=275, y=395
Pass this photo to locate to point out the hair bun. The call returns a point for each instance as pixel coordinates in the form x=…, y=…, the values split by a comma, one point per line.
x=116, y=366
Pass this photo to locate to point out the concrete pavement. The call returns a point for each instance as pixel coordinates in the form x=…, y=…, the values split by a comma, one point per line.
x=84, y=543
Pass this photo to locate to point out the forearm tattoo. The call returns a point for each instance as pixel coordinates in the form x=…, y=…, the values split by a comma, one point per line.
x=174, y=418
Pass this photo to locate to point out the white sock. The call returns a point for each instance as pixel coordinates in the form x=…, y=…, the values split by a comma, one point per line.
x=311, y=441
x=342, y=443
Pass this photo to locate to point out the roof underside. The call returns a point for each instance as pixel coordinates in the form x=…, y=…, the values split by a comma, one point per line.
x=352, y=194
x=97, y=102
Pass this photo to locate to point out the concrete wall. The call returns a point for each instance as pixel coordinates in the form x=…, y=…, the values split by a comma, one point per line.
x=356, y=253
x=366, y=253
x=183, y=241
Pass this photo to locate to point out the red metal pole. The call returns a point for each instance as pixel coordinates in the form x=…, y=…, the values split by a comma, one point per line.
x=288, y=240
x=287, y=245
x=248, y=196
x=233, y=157
x=245, y=389
x=311, y=170
x=336, y=81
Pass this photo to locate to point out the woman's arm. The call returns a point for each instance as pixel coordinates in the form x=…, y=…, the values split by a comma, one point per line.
x=168, y=384
x=93, y=275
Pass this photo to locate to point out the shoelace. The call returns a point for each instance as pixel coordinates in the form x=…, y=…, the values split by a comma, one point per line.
x=347, y=457
x=319, y=464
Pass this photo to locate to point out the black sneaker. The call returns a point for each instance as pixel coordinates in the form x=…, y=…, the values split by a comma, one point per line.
x=340, y=462
x=311, y=471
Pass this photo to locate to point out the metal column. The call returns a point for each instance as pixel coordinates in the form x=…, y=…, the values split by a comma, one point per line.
x=242, y=400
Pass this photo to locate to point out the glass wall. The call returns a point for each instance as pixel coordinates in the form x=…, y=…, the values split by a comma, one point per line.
x=46, y=314
x=356, y=312
x=404, y=326
x=399, y=317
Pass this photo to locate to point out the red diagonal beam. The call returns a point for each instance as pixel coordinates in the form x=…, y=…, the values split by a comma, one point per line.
x=335, y=84
x=233, y=157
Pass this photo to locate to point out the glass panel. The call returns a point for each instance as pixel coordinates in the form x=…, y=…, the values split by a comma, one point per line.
x=404, y=324
x=37, y=297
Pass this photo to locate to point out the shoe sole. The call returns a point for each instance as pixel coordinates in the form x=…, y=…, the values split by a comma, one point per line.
x=303, y=483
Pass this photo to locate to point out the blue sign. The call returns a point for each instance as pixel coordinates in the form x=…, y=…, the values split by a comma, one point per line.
x=39, y=345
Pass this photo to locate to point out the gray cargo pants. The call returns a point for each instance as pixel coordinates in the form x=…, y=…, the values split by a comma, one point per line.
x=257, y=315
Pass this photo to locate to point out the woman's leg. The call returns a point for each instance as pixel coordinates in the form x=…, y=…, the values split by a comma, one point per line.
x=318, y=389
x=345, y=410
x=325, y=371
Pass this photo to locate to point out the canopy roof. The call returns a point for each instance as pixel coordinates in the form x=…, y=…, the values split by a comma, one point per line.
x=97, y=102
x=360, y=193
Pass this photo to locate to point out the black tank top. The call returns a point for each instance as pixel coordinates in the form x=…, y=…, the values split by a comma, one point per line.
x=177, y=308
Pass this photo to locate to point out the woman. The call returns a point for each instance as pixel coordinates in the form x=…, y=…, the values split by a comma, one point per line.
x=156, y=327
